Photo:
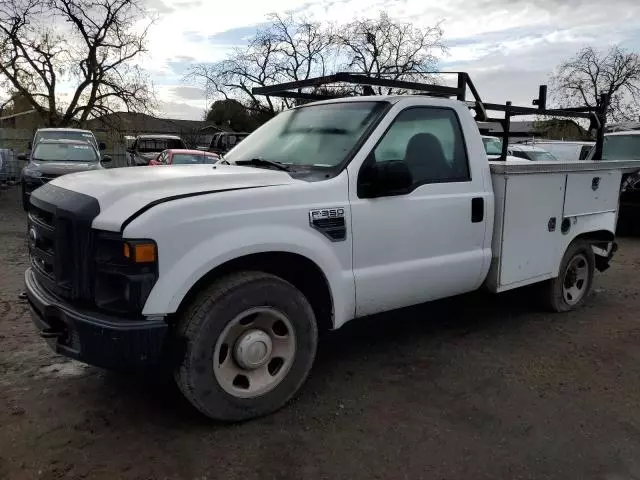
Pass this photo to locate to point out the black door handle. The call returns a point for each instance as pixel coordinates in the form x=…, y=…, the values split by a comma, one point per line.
x=477, y=209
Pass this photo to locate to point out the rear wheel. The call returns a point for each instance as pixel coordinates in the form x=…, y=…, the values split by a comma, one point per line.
x=250, y=342
x=573, y=284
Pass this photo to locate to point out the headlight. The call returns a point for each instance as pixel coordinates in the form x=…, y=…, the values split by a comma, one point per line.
x=126, y=271
x=32, y=173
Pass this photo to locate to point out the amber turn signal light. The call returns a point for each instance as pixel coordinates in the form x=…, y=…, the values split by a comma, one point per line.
x=140, y=252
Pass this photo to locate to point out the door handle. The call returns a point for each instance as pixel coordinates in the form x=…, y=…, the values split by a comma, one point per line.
x=477, y=210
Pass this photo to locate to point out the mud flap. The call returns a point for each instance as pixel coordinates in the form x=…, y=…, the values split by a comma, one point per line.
x=603, y=258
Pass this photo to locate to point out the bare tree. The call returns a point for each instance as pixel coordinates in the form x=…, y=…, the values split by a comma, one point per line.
x=287, y=49
x=304, y=47
x=294, y=48
x=382, y=47
x=582, y=79
x=243, y=69
x=88, y=44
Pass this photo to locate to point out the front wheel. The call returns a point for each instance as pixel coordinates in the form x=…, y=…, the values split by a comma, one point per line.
x=572, y=286
x=250, y=343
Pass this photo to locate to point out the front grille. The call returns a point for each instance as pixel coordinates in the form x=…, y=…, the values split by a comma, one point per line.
x=60, y=240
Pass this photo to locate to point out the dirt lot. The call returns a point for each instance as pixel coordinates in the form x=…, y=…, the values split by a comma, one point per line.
x=474, y=387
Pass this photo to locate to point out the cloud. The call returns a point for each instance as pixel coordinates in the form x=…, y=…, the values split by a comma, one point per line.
x=188, y=93
x=235, y=36
x=159, y=6
x=180, y=111
x=508, y=46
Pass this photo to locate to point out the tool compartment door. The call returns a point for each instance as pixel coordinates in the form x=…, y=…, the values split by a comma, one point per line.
x=592, y=192
x=527, y=242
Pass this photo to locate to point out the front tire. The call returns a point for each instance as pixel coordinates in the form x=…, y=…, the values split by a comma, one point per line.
x=575, y=278
x=250, y=341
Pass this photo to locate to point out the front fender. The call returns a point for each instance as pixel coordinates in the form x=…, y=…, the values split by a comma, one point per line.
x=181, y=274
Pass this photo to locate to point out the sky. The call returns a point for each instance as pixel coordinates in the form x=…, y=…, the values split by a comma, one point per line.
x=508, y=46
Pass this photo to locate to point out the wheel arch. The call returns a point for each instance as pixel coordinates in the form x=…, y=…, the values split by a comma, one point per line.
x=597, y=236
x=302, y=272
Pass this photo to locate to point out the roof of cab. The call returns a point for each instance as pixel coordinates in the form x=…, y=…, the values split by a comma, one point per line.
x=160, y=135
x=67, y=141
x=63, y=129
x=622, y=133
x=526, y=148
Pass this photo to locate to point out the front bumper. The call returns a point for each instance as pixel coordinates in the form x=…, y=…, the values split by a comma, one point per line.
x=96, y=339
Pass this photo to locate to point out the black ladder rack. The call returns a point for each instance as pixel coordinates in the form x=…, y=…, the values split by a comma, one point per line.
x=596, y=115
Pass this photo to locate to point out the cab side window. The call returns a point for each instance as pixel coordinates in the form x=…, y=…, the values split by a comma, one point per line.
x=430, y=142
x=584, y=152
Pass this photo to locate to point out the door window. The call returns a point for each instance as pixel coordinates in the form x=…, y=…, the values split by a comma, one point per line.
x=430, y=142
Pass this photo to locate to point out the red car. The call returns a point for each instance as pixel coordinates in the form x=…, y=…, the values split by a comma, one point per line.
x=184, y=157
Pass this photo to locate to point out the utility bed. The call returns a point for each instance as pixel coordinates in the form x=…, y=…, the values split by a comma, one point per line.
x=541, y=207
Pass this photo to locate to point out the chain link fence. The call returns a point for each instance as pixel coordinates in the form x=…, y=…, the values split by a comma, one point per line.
x=12, y=144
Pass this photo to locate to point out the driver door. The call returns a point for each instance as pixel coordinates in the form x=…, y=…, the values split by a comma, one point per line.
x=430, y=241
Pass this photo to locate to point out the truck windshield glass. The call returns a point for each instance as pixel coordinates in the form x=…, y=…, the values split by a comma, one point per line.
x=621, y=147
x=65, y=135
x=541, y=156
x=493, y=146
x=316, y=135
x=150, y=145
x=192, y=159
x=63, y=152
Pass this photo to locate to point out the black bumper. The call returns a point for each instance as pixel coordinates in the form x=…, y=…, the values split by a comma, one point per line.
x=104, y=341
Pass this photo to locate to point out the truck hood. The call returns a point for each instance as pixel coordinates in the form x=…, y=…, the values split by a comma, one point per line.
x=62, y=168
x=122, y=192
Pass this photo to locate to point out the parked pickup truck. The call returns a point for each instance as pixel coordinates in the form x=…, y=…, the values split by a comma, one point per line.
x=147, y=147
x=222, y=142
x=227, y=272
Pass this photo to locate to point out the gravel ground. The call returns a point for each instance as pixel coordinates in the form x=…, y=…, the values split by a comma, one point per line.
x=474, y=387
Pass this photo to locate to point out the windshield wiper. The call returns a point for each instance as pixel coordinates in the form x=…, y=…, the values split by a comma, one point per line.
x=261, y=162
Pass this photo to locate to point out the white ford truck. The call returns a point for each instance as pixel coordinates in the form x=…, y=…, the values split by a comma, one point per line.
x=330, y=211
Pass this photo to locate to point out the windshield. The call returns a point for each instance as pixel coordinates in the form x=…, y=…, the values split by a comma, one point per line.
x=533, y=155
x=537, y=156
x=64, y=152
x=65, y=135
x=315, y=135
x=493, y=146
x=192, y=159
x=151, y=145
x=621, y=147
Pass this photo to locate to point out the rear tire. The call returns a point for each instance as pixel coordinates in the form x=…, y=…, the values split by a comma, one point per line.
x=250, y=341
x=575, y=278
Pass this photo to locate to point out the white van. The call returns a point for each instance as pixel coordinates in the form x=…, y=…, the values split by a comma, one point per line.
x=565, y=151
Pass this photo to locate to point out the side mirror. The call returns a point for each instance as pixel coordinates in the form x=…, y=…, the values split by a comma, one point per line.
x=22, y=156
x=106, y=159
x=102, y=146
x=384, y=179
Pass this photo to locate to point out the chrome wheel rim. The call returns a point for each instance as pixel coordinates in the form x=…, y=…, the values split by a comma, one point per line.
x=576, y=279
x=254, y=352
